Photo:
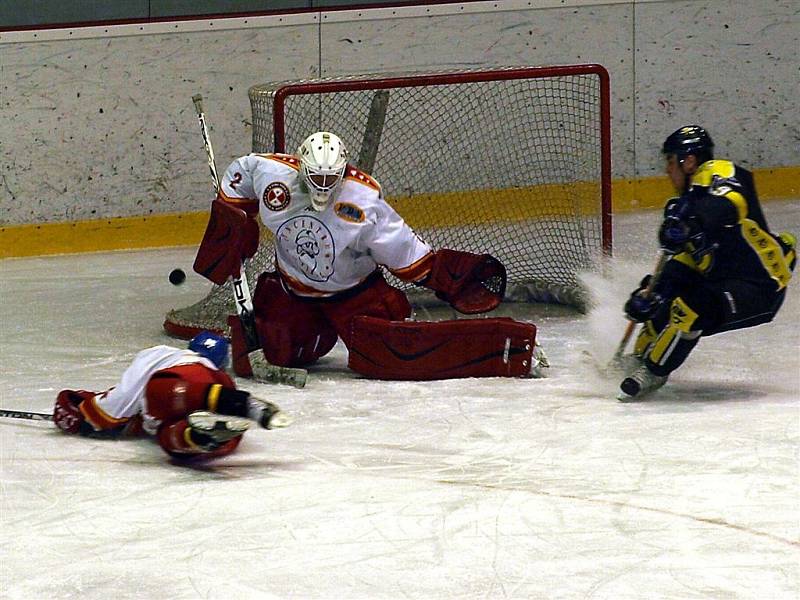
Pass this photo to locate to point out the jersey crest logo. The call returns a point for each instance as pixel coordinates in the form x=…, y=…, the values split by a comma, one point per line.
x=307, y=243
x=276, y=196
x=349, y=212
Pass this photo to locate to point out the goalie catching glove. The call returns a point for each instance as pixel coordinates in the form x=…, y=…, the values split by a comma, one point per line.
x=470, y=283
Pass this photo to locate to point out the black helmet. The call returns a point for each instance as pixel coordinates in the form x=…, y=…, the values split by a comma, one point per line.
x=691, y=139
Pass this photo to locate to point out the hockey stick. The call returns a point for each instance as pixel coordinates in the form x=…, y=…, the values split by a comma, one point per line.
x=373, y=131
x=24, y=414
x=262, y=370
x=617, y=359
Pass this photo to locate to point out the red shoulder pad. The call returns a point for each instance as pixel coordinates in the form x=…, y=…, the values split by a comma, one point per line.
x=285, y=159
x=356, y=174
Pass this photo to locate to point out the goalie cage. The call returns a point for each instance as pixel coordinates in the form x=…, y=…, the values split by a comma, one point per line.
x=511, y=161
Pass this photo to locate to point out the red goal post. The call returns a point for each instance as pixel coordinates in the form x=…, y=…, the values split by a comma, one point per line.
x=511, y=161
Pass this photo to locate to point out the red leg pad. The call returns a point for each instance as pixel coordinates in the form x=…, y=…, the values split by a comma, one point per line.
x=500, y=347
x=293, y=332
x=239, y=360
x=377, y=299
x=175, y=392
x=170, y=438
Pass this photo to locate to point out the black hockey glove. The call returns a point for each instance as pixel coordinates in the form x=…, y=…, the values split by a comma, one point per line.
x=681, y=231
x=676, y=236
x=674, y=231
x=673, y=235
x=641, y=307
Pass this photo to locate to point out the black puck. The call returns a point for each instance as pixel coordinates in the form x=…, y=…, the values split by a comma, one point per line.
x=177, y=276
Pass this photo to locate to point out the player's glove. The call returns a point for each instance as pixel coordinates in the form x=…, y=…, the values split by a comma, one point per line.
x=67, y=415
x=674, y=231
x=642, y=307
x=673, y=235
x=682, y=232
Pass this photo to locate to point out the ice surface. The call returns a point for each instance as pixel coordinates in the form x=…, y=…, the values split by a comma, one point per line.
x=492, y=488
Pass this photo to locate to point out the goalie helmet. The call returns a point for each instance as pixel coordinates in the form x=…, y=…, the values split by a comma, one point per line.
x=323, y=160
x=211, y=346
x=691, y=139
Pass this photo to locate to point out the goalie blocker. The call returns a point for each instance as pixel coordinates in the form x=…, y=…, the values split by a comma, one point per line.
x=231, y=236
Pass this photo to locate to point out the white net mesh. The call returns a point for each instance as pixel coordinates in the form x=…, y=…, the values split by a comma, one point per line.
x=508, y=162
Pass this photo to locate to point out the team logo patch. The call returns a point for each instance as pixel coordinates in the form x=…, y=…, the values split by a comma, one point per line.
x=276, y=196
x=306, y=243
x=349, y=212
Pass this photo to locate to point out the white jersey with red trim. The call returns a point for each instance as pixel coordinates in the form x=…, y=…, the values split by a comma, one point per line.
x=127, y=398
x=322, y=253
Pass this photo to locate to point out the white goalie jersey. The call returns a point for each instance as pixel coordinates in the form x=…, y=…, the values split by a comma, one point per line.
x=322, y=253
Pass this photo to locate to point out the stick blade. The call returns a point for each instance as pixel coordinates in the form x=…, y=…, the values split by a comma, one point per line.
x=265, y=372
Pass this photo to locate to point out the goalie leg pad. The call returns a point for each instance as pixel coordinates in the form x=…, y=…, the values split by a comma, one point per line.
x=372, y=298
x=230, y=236
x=239, y=351
x=293, y=332
x=415, y=351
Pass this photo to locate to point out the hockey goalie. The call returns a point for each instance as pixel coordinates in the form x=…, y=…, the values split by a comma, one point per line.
x=333, y=230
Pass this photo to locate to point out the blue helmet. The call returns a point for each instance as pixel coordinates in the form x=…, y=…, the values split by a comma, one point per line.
x=212, y=346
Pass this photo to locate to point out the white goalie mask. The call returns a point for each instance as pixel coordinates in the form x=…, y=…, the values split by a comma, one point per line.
x=323, y=160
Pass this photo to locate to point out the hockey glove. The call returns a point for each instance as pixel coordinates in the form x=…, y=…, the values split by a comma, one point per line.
x=470, y=283
x=68, y=416
x=676, y=236
x=673, y=235
x=641, y=306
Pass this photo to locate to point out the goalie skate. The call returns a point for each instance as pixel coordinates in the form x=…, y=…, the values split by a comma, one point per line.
x=638, y=384
x=217, y=428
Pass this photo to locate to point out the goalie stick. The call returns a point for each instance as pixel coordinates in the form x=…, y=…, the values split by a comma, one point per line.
x=24, y=414
x=262, y=370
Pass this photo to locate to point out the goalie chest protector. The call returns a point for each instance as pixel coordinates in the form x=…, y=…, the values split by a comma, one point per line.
x=498, y=347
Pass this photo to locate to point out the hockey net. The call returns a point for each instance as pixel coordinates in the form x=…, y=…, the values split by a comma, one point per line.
x=514, y=162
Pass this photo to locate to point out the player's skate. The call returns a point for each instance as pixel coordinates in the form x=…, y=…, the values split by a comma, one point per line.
x=213, y=429
x=267, y=414
x=639, y=383
x=628, y=363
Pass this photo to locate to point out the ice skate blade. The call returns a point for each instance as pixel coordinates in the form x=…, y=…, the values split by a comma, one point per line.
x=628, y=399
x=219, y=427
x=279, y=420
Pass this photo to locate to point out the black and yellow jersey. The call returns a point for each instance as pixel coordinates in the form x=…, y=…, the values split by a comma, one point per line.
x=724, y=202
